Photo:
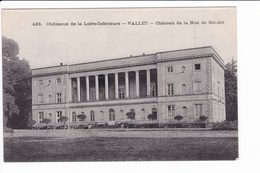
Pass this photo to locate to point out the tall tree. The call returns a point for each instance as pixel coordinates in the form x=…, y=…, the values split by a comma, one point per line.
x=231, y=90
x=16, y=86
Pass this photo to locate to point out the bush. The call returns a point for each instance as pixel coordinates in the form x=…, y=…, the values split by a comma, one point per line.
x=225, y=125
x=178, y=117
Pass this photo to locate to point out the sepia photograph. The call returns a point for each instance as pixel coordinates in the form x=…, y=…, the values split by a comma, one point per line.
x=120, y=84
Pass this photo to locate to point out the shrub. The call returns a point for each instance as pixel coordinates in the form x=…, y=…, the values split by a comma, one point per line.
x=225, y=125
x=203, y=118
x=81, y=117
x=178, y=117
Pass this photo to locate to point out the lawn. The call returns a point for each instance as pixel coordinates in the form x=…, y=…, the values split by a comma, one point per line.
x=24, y=149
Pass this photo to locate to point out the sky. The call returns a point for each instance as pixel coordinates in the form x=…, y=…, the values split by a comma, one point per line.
x=46, y=45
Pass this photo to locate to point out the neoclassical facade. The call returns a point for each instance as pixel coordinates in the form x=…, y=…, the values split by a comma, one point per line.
x=188, y=82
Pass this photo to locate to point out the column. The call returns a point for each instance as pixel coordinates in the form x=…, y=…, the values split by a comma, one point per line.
x=70, y=91
x=97, y=87
x=126, y=85
x=106, y=86
x=87, y=87
x=116, y=85
x=148, y=82
x=78, y=88
x=137, y=83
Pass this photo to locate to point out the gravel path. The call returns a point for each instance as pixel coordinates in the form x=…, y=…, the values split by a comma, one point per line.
x=121, y=133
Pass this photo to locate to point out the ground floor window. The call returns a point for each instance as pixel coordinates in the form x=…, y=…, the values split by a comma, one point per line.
x=40, y=117
x=74, y=117
x=58, y=115
x=198, y=110
x=111, y=115
x=171, y=112
x=92, y=116
x=50, y=116
x=184, y=111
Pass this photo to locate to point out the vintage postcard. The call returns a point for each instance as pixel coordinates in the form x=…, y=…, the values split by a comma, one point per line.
x=120, y=84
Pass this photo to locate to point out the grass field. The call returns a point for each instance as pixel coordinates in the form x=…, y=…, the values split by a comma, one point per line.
x=38, y=148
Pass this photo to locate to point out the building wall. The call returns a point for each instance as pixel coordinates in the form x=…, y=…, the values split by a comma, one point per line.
x=210, y=75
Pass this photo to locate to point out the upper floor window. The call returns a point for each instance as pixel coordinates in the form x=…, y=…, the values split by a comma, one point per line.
x=58, y=98
x=197, y=87
x=183, y=68
x=40, y=117
x=170, y=89
x=169, y=69
x=40, y=82
x=40, y=99
x=58, y=115
x=153, y=89
x=121, y=93
x=58, y=80
x=49, y=82
x=183, y=89
x=197, y=66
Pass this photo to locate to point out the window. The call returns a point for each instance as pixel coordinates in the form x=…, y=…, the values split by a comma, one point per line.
x=58, y=80
x=111, y=115
x=49, y=99
x=170, y=89
x=198, y=110
x=49, y=82
x=40, y=117
x=58, y=98
x=183, y=89
x=143, y=114
x=122, y=114
x=183, y=68
x=184, y=111
x=197, y=66
x=171, y=112
x=197, y=87
x=170, y=69
x=102, y=116
x=58, y=115
x=121, y=93
x=153, y=90
x=92, y=116
x=50, y=116
x=40, y=99
x=40, y=82
x=74, y=117
x=92, y=94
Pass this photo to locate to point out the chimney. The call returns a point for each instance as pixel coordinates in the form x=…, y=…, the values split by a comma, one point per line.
x=143, y=53
x=61, y=64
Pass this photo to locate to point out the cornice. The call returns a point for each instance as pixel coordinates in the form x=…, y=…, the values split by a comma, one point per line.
x=124, y=66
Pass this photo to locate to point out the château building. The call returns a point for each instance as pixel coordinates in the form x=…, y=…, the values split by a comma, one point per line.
x=188, y=82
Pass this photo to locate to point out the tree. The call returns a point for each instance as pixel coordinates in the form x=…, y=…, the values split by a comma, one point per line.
x=16, y=86
x=178, y=117
x=152, y=116
x=131, y=115
x=231, y=90
x=81, y=116
x=203, y=118
x=64, y=119
x=46, y=121
x=31, y=123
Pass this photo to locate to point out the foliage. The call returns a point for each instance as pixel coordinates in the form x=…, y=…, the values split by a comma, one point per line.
x=178, y=117
x=225, y=125
x=130, y=115
x=82, y=117
x=203, y=118
x=46, y=121
x=231, y=90
x=16, y=86
x=152, y=116
x=64, y=119
x=31, y=123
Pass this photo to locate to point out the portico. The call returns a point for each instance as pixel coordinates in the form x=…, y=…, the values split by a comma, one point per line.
x=112, y=86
